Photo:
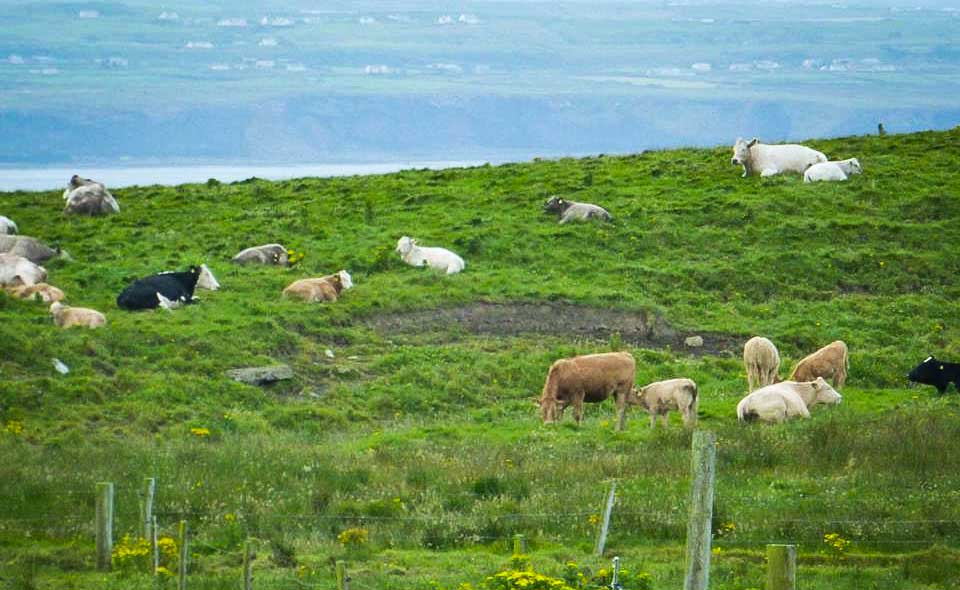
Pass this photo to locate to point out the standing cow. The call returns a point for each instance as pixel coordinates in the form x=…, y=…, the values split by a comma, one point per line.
x=660, y=397
x=786, y=399
x=937, y=373
x=590, y=378
x=830, y=362
x=762, y=361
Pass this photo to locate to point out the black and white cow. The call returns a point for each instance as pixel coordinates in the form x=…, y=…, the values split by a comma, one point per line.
x=166, y=289
x=937, y=373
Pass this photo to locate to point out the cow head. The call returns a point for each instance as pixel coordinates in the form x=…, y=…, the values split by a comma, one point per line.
x=206, y=280
x=405, y=245
x=346, y=281
x=741, y=153
x=556, y=204
x=928, y=372
x=825, y=393
x=855, y=166
x=637, y=397
x=550, y=409
x=55, y=307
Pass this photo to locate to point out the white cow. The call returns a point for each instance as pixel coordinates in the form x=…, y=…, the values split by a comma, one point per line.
x=660, y=397
x=769, y=160
x=7, y=226
x=572, y=210
x=839, y=170
x=206, y=280
x=787, y=399
x=17, y=270
x=88, y=197
x=65, y=316
x=762, y=362
x=438, y=258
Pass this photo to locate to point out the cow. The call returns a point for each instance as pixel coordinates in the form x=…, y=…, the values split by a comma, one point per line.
x=589, y=378
x=660, y=397
x=438, y=258
x=838, y=170
x=831, y=361
x=65, y=316
x=7, y=226
x=30, y=248
x=16, y=270
x=937, y=373
x=785, y=400
x=266, y=254
x=327, y=288
x=762, y=361
x=572, y=210
x=39, y=291
x=769, y=160
x=88, y=197
x=167, y=289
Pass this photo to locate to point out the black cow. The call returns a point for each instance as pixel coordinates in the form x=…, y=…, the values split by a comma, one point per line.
x=936, y=373
x=176, y=288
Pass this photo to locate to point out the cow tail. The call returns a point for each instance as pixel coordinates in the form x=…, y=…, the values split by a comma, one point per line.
x=694, y=405
x=742, y=410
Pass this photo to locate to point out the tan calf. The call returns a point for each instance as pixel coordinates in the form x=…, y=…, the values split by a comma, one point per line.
x=40, y=291
x=326, y=288
x=67, y=317
x=660, y=397
x=830, y=362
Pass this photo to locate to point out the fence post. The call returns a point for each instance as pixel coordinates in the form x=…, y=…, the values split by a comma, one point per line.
x=146, y=506
x=703, y=467
x=153, y=541
x=184, y=553
x=247, y=567
x=343, y=582
x=519, y=544
x=781, y=567
x=605, y=528
x=104, y=525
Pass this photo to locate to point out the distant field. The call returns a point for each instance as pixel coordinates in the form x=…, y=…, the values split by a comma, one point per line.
x=420, y=430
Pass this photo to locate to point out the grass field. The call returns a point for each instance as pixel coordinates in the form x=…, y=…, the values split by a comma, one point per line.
x=415, y=453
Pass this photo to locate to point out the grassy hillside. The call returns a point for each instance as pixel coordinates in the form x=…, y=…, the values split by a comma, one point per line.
x=420, y=430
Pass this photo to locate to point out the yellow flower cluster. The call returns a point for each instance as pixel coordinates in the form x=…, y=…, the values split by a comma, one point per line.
x=167, y=547
x=200, y=432
x=524, y=580
x=836, y=542
x=727, y=528
x=293, y=257
x=14, y=427
x=131, y=554
x=355, y=537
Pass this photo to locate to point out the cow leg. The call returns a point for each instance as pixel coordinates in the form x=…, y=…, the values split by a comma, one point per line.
x=653, y=420
x=621, y=402
x=749, y=380
x=665, y=419
x=578, y=406
x=839, y=378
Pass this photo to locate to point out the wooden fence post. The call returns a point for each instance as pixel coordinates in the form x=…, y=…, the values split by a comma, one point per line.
x=184, y=554
x=781, y=567
x=153, y=542
x=146, y=506
x=104, y=525
x=703, y=467
x=343, y=582
x=519, y=544
x=605, y=528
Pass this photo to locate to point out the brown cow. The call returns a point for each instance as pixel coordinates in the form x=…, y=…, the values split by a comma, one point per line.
x=589, y=378
x=326, y=288
x=660, y=397
x=829, y=362
x=66, y=316
x=762, y=361
x=41, y=291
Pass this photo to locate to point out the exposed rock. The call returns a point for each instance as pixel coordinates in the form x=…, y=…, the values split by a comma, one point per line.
x=261, y=375
x=694, y=341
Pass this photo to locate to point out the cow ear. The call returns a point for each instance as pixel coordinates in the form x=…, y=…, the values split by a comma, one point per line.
x=753, y=142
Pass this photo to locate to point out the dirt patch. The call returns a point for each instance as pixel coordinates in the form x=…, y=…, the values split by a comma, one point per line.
x=638, y=328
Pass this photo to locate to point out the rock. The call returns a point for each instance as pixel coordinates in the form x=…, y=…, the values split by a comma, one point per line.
x=60, y=367
x=694, y=341
x=261, y=375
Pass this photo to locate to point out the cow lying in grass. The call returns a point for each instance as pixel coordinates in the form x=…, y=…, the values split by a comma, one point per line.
x=67, y=317
x=40, y=291
x=786, y=399
x=574, y=211
x=166, y=289
x=326, y=288
x=7, y=226
x=838, y=170
x=16, y=270
x=88, y=197
x=590, y=378
x=266, y=254
x=438, y=258
x=830, y=362
x=762, y=362
x=660, y=397
x=937, y=373
x=768, y=160
x=30, y=248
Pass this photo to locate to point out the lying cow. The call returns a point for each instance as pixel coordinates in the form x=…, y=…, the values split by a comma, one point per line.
x=660, y=397
x=572, y=210
x=266, y=254
x=67, y=317
x=88, y=197
x=166, y=289
x=769, y=160
x=589, y=378
x=30, y=248
x=762, y=361
x=838, y=170
x=7, y=226
x=786, y=399
x=438, y=258
x=326, y=288
x=937, y=373
x=40, y=291
x=16, y=270
x=831, y=362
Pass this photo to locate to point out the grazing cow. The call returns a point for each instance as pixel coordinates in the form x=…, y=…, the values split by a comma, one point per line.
x=438, y=258
x=937, y=373
x=572, y=210
x=88, y=197
x=660, y=397
x=170, y=289
x=762, y=361
x=30, y=248
x=589, y=378
x=769, y=160
x=839, y=170
x=786, y=399
x=17, y=270
x=829, y=362
x=67, y=317
x=7, y=226
x=266, y=254
x=40, y=291
x=326, y=288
